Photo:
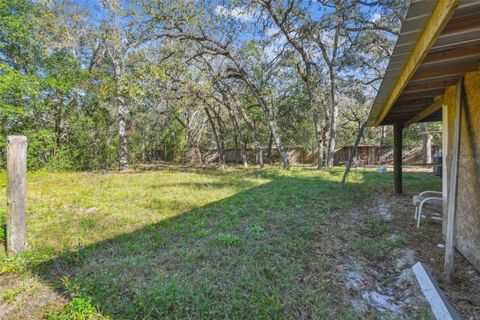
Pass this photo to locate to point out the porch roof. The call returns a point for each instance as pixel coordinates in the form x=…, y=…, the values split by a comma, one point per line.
x=438, y=42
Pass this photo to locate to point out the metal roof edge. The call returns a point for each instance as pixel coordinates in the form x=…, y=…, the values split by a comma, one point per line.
x=418, y=10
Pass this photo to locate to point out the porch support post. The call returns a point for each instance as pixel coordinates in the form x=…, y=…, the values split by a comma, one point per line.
x=397, y=157
x=452, y=188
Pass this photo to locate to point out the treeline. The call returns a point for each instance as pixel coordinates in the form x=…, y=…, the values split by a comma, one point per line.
x=99, y=86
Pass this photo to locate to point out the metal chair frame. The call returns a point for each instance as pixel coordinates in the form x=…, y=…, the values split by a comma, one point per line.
x=419, y=206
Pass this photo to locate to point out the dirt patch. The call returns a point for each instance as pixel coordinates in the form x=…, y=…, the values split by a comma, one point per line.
x=427, y=241
x=384, y=209
x=383, y=287
x=26, y=297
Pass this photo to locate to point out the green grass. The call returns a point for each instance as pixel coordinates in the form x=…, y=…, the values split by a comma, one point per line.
x=377, y=227
x=196, y=244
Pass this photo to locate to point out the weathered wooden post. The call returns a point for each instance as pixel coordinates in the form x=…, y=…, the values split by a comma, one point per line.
x=16, y=193
x=453, y=185
x=397, y=157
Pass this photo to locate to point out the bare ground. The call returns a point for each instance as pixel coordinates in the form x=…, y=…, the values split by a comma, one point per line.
x=464, y=291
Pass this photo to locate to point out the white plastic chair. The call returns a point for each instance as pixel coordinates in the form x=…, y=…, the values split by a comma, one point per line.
x=421, y=200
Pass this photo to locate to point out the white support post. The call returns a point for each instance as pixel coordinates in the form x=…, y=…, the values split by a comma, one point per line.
x=16, y=193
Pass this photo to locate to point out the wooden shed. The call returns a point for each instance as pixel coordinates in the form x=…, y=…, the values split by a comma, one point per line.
x=367, y=154
x=434, y=75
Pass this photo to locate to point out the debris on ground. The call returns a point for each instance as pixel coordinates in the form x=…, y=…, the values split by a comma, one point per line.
x=91, y=210
x=405, y=258
x=366, y=289
x=384, y=209
x=382, y=302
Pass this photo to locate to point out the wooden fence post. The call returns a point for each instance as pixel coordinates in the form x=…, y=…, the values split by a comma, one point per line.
x=16, y=193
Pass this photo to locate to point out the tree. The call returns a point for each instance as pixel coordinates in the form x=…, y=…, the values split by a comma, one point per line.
x=174, y=80
x=214, y=36
x=332, y=35
x=283, y=17
x=427, y=144
x=120, y=36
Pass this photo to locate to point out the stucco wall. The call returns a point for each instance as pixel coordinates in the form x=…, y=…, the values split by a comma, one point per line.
x=468, y=201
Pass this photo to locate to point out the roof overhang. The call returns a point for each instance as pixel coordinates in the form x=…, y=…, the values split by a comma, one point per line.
x=438, y=42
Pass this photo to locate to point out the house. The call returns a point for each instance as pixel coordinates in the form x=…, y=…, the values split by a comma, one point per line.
x=434, y=75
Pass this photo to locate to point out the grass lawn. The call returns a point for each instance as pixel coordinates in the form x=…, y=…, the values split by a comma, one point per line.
x=181, y=243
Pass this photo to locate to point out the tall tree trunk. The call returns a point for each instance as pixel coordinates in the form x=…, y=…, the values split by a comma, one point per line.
x=325, y=139
x=122, y=112
x=258, y=147
x=122, y=134
x=271, y=119
x=188, y=142
x=198, y=151
x=58, y=128
x=427, y=143
x=333, y=137
x=269, y=150
x=221, y=160
x=321, y=126
x=192, y=153
x=237, y=150
x=221, y=131
x=318, y=138
x=144, y=149
x=259, y=155
x=333, y=123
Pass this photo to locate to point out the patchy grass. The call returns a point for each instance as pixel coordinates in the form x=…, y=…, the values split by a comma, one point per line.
x=371, y=248
x=199, y=244
x=377, y=227
x=228, y=239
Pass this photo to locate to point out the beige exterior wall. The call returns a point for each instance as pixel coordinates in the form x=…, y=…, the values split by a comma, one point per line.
x=468, y=203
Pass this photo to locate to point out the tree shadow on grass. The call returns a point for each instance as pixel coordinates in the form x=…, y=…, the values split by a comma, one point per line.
x=248, y=256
